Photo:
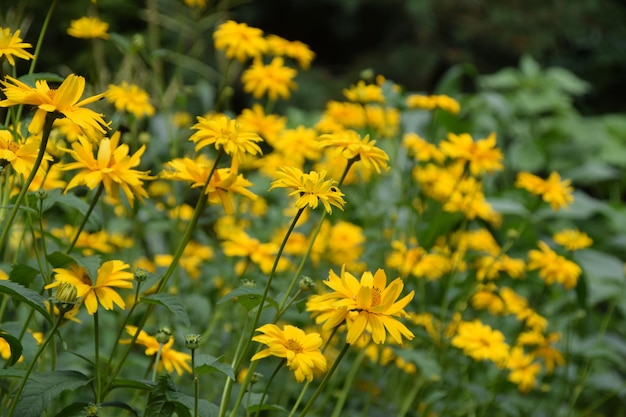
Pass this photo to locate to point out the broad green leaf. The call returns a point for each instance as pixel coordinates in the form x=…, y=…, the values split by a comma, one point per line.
x=207, y=363
x=604, y=274
x=507, y=206
x=158, y=403
x=42, y=388
x=14, y=345
x=526, y=156
x=567, y=81
x=60, y=259
x=132, y=384
x=47, y=76
x=172, y=303
x=205, y=408
x=57, y=197
x=26, y=295
x=249, y=297
x=23, y=274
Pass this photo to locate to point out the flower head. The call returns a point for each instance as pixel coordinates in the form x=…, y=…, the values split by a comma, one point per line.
x=111, y=274
x=171, y=359
x=480, y=342
x=20, y=155
x=63, y=100
x=350, y=145
x=553, y=267
x=573, y=239
x=239, y=40
x=225, y=133
x=11, y=46
x=131, y=98
x=88, y=28
x=292, y=49
x=310, y=188
x=369, y=304
x=301, y=350
x=482, y=155
x=364, y=93
x=553, y=191
x=274, y=79
x=112, y=166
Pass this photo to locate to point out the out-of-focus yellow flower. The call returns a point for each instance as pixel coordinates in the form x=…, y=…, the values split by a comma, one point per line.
x=553, y=267
x=11, y=46
x=418, y=101
x=274, y=80
x=171, y=359
x=553, y=191
x=268, y=126
x=351, y=146
x=482, y=155
x=88, y=28
x=293, y=49
x=240, y=41
x=573, y=239
x=480, y=342
x=364, y=93
x=130, y=98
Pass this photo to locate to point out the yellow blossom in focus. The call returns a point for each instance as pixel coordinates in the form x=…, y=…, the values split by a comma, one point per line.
x=553, y=191
x=351, y=146
x=88, y=28
x=239, y=41
x=553, y=267
x=274, y=80
x=130, y=98
x=227, y=134
x=572, y=239
x=11, y=47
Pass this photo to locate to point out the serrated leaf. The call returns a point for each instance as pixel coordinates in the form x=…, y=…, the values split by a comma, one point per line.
x=25, y=295
x=249, y=297
x=23, y=274
x=207, y=363
x=172, y=303
x=42, y=387
x=60, y=259
x=14, y=345
x=72, y=202
x=158, y=403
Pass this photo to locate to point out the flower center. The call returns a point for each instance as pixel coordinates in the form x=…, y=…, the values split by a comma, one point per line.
x=294, y=346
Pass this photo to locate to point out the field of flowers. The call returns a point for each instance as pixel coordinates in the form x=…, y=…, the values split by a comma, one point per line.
x=167, y=250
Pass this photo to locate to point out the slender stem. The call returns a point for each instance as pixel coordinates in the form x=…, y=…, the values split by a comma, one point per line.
x=304, y=389
x=324, y=382
x=92, y=205
x=42, y=33
x=156, y=362
x=31, y=366
x=410, y=398
x=96, y=338
x=47, y=128
x=347, y=384
x=122, y=327
x=269, y=382
x=228, y=385
x=196, y=383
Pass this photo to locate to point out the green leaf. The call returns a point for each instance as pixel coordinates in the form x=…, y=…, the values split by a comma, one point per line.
x=47, y=76
x=74, y=409
x=158, y=403
x=42, y=388
x=507, y=206
x=604, y=274
x=249, y=297
x=70, y=201
x=526, y=156
x=428, y=366
x=14, y=345
x=205, y=408
x=23, y=274
x=26, y=295
x=144, y=385
x=172, y=303
x=207, y=363
x=60, y=259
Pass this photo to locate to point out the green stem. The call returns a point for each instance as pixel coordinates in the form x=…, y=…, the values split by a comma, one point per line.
x=31, y=366
x=228, y=385
x=96, y=338
x=156, y=362
x=47, y=128
x=42, y=33
x=196, y=383
x=92, y=205
x=324, y=382
x=269, y=382
x=409, y=399
x=123, y=326
x=347, y=384
x=304, y=389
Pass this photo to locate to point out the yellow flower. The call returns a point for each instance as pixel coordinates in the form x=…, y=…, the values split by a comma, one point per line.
x=224, y=183
x=553, y=267
x=20, y=155
x=63, y=100
x=11, y=46
x=482, y=155
x=553, y=191
x=550, y=355
x=239, y=40
x=298, y=145
x=341, y=115
x=572, y=239
x=310, y=188
x=240, y=244
x=292, y=49
x=345, y=243
x=480, y=342
x=111, y=274
x=301, y=350
x=422, y=150
x=364, y=93
x=486, y=298
x=113, y=167
x=200, y=4
x=352, y=147
x=523, y=369
x=274, y=80
x=268, y=126
x=490, y=267
x=225, y=133
x=131, y=98
x=171, y=359
x=369, y=304
x=418, y=101
x=88, y=28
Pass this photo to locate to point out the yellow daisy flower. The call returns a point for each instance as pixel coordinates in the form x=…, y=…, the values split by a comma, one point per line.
x=171, y=360
x=225, y=133
x=20, y=155
x=293, y=49
x=523, y=369
x=482, y=155
x=112, y=166
x=480, y=342
x=268, y=126
x=553, y=267
x=352, y=147
x=88, y=28
x=301, y=350
x=111, y=274
x=572, y=239
x=239, y=41
x=274, y=80
x=63, y=100
x=310, y=188
x=11, y=46
x=131, y=98
x=553, y=191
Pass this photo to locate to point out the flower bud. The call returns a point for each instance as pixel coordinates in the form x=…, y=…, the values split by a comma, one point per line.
x=306, y=284
x=140, y=275
x=92, y=410
x=192, y=341
x=248, y=283
x=66, y=296
x=42, y=194
x=163, y=335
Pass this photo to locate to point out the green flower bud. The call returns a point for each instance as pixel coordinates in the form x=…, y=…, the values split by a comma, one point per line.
x=192, y=341
x=306, y=284
x=256, y=377
x=140, y=275
x=66, y=296
x=42, y=194
x=163, y=335
x=248, y=283
x=92, y=410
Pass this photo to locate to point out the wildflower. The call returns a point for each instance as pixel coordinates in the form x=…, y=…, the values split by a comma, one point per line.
x=275, y=79
x=301, y=350
x=548, y=353
x=225, y=133
x=490, y=267
x=298, y=144
x=341, y=115
x=268, y=126
x=553, y=191
x=11, y=46
x=293, y=49
x=418, y=101
x=482, y=155
x=261, y=254
x=310, y=188
x=239, y=41
x=345, y=243
x=20, y=155
x=200, y=4
x=364, y=93
x=88, y=28
x=486, y=298
x=111, y=274
x=523, y=369
x=384, y=120
x=131, y=98
x=63, y=100
x=171, y=359
x=553, y=267
x=420, y=149
x=112, y=166
x=572, y=239
x=480, y=342
x=352, y=147
x=369, y=304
